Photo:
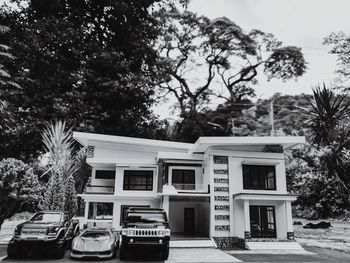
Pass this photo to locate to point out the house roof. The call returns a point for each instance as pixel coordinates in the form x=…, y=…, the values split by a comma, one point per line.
x=202, y=144
x=91, y=138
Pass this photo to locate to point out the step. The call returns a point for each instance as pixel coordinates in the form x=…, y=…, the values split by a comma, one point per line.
x=192, y=243
x=273, y=245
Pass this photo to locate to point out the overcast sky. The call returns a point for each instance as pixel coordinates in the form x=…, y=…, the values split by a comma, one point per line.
x=302, y=23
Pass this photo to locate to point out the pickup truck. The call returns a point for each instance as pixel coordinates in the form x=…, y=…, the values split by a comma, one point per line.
x=47, y=231
x=145, y=227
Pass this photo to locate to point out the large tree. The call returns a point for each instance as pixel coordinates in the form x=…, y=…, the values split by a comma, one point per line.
x=194, y=49
x=340, y=47
x=90, y=62
x=19, y=188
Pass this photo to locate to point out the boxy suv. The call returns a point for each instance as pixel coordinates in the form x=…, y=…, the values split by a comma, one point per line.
x=145, y=227
x=47, y=230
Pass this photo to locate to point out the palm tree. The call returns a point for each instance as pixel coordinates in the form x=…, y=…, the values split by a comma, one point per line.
x=328, y=114
x=58, y=142
x=329, y=118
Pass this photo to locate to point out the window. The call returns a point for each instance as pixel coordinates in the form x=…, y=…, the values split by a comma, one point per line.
x=138, y=180
x=259, y=177
x=184, y=179
x=105, y=174
x=100, y=211
x=125, y=208
x=262, y=221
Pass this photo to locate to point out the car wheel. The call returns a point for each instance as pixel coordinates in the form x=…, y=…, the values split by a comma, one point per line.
x=165, y=252
x=123, y=251
x=59, y=252
x=13, y=250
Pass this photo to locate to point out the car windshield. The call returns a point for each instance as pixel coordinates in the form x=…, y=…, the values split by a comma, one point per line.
x=145, y=217
x=47, y=217
x=95, y=234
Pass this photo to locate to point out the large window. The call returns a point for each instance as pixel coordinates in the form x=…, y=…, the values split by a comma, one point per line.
x=184, y=179
x=259, y=177
x=100, y=211
x=138, y=180
x=105, y=174
x=262, y=221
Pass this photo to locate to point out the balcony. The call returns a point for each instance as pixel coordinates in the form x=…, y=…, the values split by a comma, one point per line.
x=202, y=188
x=99, y=189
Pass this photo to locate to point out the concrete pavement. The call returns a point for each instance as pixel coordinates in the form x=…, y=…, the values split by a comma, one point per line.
x=178, y=255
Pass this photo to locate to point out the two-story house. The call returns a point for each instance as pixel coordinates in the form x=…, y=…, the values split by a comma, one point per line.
x=231, y=190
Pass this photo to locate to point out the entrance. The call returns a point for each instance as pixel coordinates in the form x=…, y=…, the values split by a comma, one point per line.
x=262, y=221
x=189, y=217
x=189, y=221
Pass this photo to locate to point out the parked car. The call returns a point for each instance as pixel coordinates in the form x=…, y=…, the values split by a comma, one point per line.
x=145, y=227
x=46, y=231
x=94, y=242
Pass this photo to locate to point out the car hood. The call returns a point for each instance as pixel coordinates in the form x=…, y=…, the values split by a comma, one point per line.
x=36, y=225
x=92, y=244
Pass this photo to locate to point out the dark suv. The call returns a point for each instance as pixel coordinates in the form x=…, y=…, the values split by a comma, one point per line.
x=145, y=227
x=47, y=230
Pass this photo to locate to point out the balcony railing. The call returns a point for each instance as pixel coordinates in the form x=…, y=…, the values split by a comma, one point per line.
x=99, y=189
x=191, y=187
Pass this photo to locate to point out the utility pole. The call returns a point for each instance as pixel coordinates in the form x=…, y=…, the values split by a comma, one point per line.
x=272, y=119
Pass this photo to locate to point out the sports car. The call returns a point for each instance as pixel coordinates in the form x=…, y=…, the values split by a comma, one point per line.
x=94, y=242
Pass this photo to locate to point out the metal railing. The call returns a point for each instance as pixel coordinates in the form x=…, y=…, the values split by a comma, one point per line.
x=99, y=189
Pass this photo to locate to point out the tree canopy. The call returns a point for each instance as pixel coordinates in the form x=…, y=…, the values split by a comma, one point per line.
x=89, y=62
x=194, y=50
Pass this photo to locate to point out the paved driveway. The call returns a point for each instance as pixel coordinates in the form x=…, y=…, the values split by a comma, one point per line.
x=210, y=255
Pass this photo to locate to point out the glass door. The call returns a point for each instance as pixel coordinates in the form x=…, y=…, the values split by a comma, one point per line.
x=262, y=221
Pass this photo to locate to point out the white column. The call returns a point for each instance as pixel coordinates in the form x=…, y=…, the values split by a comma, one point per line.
x=86, y=212
x=116, y=217
x=289, y=218
x=166, y=204
x=246, y=216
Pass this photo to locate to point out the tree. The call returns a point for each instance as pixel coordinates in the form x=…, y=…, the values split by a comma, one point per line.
x=318, y=171
x=58, y=143
x=19, y=188
x=340, y=46
x=70, y=197
x=91, y=62
x=194, y=49
x=54, y=196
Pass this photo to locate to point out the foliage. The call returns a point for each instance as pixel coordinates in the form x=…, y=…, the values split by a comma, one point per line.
x=318, y=172
x=19, y=188
x=194, y=49
x=90, y=62
x=54, y=196
x=58, y=143
x=340, y=46
x=328, y=112
x=70, y=196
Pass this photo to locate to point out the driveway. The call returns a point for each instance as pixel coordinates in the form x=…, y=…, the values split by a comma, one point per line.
x=178, y=255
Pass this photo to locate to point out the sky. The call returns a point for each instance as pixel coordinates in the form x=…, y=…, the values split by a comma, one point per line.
x=303, y=23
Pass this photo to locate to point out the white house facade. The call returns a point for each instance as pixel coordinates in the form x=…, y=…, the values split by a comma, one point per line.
x=231, y=190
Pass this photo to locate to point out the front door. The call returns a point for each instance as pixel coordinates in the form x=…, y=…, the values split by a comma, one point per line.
x=262, y=221
x=189, y=221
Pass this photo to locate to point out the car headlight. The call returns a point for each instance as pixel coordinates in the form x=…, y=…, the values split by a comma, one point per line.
x=161, y=232
x=124, y=232
x=52, y=230
x=18, y=230
x=131, y=232
x=167, y=232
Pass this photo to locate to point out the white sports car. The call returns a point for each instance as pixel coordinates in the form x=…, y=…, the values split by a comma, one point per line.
x=94, y=242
